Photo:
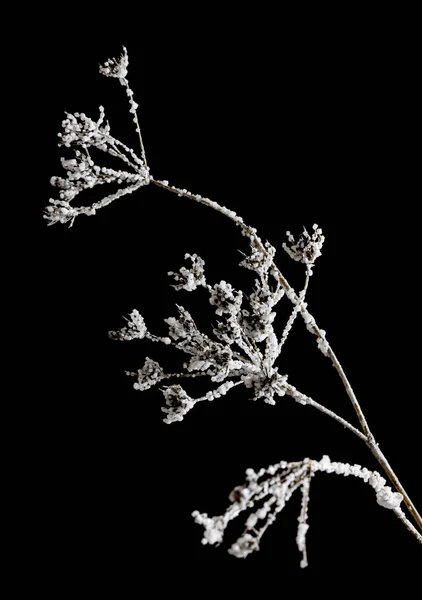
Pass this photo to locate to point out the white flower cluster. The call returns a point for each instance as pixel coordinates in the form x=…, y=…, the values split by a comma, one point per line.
x=266, y=386
x=307, y=248
x=150, y=374
x=190, y=279
x=260, y=261
x=82, y=135
x=225, y=299
x=266, y=493
x=178, y=403
x=116, y=67
x=82, y=130
x=136, y=328
x=234, y=357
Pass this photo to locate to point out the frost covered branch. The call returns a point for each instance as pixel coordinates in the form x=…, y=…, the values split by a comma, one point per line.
x=244, y=347
x=83, y=135
x=266, y=493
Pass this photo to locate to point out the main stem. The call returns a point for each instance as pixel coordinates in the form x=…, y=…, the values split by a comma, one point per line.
x=368, y=436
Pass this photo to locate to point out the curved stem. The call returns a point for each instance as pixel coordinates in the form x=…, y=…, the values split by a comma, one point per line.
x=408, y=524
x=306, y=400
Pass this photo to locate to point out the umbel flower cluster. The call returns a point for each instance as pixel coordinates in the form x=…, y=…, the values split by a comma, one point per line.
x=244, y=346
x=83, y=135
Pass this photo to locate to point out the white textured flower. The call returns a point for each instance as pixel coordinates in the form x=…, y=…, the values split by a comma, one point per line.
x=260, y=260
x=225, y=298
x=178, y=403
x=116, y=67
x=150, y=374
x=136, y=328
x=81, y=130
x=81, y=134
x=266, y=384
x=307, y=248
x=192, y=278
x=182, y=328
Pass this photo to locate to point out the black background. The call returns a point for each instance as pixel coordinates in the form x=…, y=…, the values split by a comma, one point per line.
x=286, y=133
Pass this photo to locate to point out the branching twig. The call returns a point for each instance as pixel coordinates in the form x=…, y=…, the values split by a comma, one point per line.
x=245, y=322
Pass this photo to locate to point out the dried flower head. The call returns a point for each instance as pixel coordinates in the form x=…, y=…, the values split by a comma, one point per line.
x=307, y=248
x=116, y=67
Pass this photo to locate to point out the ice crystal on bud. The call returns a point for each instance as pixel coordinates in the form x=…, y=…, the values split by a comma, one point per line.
x=322, y=343
x=259, y=261
x=150, y=374
x=225, y=298
x=116, y=67
x=190, y=279
x=307, y=248
x=214, y=528
x=266, y=384
x=178, y=403
x=81, y=134
x=136, y=328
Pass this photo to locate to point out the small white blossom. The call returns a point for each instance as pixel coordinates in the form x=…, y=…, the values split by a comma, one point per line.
x=265, y=384
x=232, y=360
x=225, y=298
x=190, y=279
x=150, y=374
x=307, y=248
x=81, y=134
x=178, y=403
x=116, y=67
x=136, y=328
x=214, y=528
x=260, y=260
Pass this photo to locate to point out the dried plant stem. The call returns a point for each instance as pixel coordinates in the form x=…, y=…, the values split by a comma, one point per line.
x=306, y=400
x=408, y=524
x=367, y=435
x=125, y=83
x=395, y=481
